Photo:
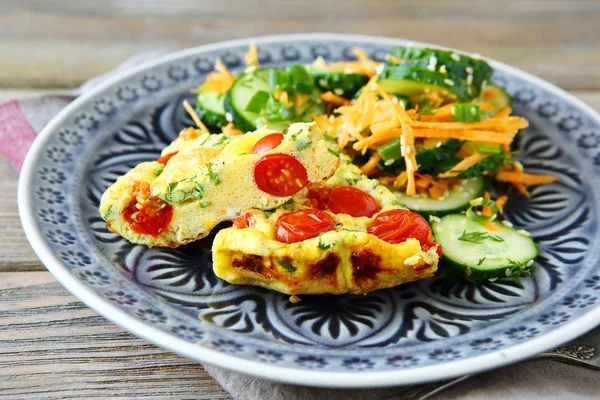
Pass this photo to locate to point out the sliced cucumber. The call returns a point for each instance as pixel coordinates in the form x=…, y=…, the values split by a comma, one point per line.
x=478, y=254
x=339, y=82
x=457, y=200
x=210, y=108
x=412, y=81
x=459, y=65
x=242, y=91
x=497, y=97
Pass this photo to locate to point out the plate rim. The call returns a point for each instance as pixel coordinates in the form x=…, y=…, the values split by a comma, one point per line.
x=445, y=370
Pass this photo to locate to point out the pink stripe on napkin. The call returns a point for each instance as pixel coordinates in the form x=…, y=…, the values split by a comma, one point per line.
x=16, y=133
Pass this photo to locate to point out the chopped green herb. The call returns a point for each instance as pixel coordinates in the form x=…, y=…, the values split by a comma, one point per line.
x=466, y=112
x=481, y=202
x=208, y=135
x=257, y=102
x=335, y=153
x=479, y=237
x=490, y=150
x=287, y=266
x=481, y=260
x=303, y=145
x=107, y=214
x=322, y=244
x=211, y=174
x=204, y=204
x=329, y=138
x=222, y=140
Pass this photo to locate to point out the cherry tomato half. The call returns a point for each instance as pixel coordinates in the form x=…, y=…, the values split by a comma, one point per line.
x=302, y=225
x=280, y=175
x=317, y=197
x=151, y=219
x=353, y=201
x=165, y=159
x=243, y=221
x=395, y=226
x=267, y=143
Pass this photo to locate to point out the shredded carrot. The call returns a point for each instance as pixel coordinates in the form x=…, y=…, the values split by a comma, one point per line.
x=486, y=211
x=194, y=116
x=251, y=56
x=470, y=135
x=463, y=165
x=300, y=100
x=524, y=178
x=501, y=202
x=188, y=133
x=521, y=189
x=230, y=130
x=334, y=99
x=281, y=96
x=371, y=166
x=491, y=226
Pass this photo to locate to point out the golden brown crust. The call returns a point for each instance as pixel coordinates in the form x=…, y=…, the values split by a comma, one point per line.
x=357, y=263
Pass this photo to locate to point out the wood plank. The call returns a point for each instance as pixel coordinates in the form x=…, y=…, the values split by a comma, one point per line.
x=53, y=346
x=62, y=44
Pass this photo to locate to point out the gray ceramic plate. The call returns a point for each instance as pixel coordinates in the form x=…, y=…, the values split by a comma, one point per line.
x=423, y=331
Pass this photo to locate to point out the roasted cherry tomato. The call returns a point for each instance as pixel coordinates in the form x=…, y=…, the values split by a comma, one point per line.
x=267, y=143
x=152, y=218
x=395, y=226
x=165, y=159
x=243, y=221
x=280, y=175
x=352, y=201
x=317, y=197
x=302, y=225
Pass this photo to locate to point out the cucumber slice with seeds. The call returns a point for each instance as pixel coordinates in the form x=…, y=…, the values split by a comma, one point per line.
x=497, y=97
x=474, y=252
x=457, y=200
x=413, y=81
x=459, y=65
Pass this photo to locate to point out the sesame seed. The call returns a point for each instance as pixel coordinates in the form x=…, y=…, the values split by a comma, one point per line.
x=331, y=119
x=228, y=117
x=394, y=100
x=529, y=263
x=507, y=223
x=348, y=70
x=374, y=87
x=476, y=56
x=455, y=57
x=438, y=144
x=473, y=111
x=433, y=218
x=448, y=82
x=443, y=69
x=431, y=67
x=389, y=162
x=524, y=232
x=469, y=79
x=508, y=272
x=469, y=70
x=519, y=165
x=492, y=279
x=323, y=83
x=338, y=91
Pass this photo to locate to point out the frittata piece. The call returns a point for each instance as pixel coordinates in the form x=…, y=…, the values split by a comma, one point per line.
x=344, y=259
x=204, y=184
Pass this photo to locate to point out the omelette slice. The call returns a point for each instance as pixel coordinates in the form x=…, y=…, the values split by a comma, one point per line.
x=202, y=180
x=349, y=235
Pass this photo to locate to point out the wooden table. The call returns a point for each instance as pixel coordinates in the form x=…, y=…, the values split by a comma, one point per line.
x=51, y=345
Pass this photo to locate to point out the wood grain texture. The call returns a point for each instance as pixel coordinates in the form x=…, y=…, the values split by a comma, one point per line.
x=63, y=43
x=51, y=345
